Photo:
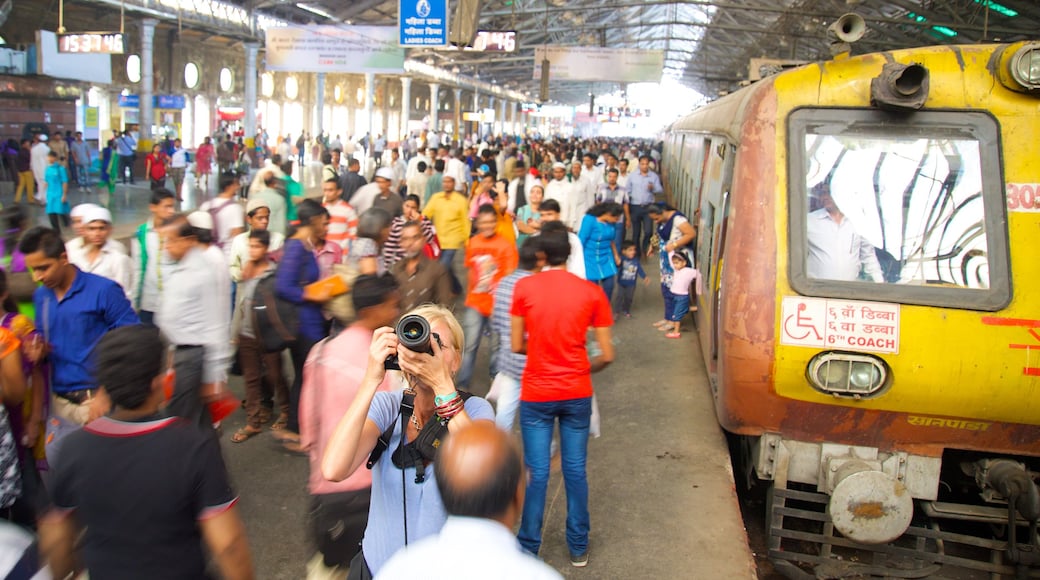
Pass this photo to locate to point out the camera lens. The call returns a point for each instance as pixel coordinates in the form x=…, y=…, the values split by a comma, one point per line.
x=414, y=333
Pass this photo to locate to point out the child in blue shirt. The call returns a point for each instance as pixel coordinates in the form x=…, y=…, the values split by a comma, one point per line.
x=57, y=195
x=628, y=272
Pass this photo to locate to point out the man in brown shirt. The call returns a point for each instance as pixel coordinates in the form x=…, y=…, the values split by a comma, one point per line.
x=420, y=279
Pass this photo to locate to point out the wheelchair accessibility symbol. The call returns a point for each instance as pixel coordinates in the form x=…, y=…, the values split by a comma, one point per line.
x=804, y=321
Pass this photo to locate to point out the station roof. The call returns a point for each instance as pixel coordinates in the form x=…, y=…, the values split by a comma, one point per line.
x=708, y=44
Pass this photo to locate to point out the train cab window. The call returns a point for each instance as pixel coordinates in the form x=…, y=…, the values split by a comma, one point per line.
x=898, y=208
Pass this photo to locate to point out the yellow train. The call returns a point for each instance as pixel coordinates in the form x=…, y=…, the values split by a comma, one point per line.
x=872, y=314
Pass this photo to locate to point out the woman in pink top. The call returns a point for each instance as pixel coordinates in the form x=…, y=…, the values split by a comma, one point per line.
x=332, y=375
x=204, y=164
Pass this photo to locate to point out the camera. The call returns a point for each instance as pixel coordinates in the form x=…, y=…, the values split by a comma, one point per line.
x=413, y=333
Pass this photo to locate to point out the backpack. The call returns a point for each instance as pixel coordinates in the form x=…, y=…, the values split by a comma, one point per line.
x=275, y=321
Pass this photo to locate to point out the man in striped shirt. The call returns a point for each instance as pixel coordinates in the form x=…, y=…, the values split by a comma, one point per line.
x=343, y=220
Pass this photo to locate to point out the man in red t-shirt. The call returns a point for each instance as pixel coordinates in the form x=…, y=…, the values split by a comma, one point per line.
x=551, y=314
x=155, y=166
x=489, y=258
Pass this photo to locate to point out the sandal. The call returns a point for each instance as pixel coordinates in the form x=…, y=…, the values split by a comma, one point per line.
x=673, y=335
x=280, y=424
x=294, y=447
x=286, y=436
x=661, y=323
x=245, y=433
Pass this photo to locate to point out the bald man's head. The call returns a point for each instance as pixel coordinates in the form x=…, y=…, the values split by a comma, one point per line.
x=479, y=472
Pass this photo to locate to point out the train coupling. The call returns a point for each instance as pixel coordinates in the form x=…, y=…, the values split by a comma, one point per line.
x=1004, y=480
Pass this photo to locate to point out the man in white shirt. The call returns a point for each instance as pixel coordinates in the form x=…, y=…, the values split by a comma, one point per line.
x=38, y=162
x=836, y=250
x=413, y=165
x=400, y=169
x=549, y=212
x=458, y=169
x=559, y=188
x=285, y=148
x=77, y=245
x=481, y=481
x=100, y=255
x=623, y=172
x=178, y=165
x=418, y=182
x=227, y=214
x=583, y=196
x=591, y=172
x=203, y=224
x=191, y=318
x=146, y=256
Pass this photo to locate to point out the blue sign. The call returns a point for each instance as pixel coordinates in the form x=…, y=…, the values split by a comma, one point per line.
x=158, y=101
x=423, y=22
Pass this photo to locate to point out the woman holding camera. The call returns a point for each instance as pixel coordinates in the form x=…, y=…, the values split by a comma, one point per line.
x=406, y=504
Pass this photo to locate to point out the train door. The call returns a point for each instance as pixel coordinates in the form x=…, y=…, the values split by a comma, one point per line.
x=712, y=231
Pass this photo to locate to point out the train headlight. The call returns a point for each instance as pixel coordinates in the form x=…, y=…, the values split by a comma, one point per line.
x=1025, y=66
x=847, y=374
x=1018, y=67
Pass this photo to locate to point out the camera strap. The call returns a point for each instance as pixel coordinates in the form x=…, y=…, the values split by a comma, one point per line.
x=405, y=414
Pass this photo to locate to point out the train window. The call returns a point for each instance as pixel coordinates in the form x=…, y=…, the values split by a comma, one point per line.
x=898, y=208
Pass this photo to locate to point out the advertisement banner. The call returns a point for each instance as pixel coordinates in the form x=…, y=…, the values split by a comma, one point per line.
x=588, y=63
x=334, y=49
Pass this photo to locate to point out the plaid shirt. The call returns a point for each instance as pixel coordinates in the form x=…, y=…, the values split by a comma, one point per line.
x=509, y=362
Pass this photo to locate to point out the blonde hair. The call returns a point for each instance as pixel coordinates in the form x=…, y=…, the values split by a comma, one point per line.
x=434, y=313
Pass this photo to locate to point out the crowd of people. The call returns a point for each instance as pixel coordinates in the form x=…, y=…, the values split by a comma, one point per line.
x=125, y=357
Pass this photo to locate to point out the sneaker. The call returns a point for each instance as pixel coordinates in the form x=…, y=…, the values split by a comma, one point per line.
x=580, y=560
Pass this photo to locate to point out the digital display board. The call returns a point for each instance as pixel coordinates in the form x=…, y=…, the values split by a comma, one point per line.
x=91, y=43
x=495, y=41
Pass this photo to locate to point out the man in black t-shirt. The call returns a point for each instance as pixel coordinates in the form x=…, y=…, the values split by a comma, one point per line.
x=147, y=489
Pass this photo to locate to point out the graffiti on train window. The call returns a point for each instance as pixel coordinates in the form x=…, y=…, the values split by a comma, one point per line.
x=896, y=210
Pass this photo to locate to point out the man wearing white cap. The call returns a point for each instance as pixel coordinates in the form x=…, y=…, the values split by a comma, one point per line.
x=38, y=162
x=562, y=191
x=388, y=198
x=274, y=201
x=100, y=255
x=77, y=245
x=366, y=195
x=258, y=216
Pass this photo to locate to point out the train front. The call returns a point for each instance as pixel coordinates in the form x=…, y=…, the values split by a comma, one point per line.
x=906, y=355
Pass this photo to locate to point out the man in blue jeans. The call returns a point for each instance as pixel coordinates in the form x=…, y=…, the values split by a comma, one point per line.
x=551, y=314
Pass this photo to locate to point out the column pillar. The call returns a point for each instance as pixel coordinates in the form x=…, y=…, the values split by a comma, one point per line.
x=458, y=113
x=491, y=126
x=350, y=90
x=476, y=110
x=250, y=102
x=406, y=105
x=319, y=106
x=435, y=106
x=146, y=119
x=513, y=120
x=501, y=117
x=370, y=97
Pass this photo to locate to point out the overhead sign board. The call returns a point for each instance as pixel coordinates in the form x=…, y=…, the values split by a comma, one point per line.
x=422, y=22
x=158, y=101
x=589, y=63
x=334, y=49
